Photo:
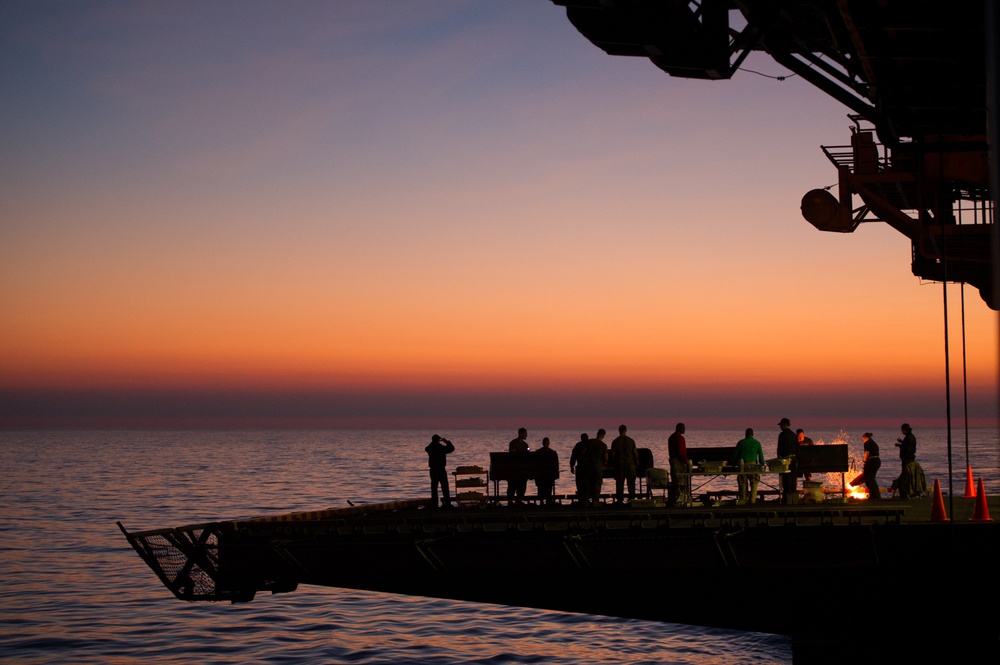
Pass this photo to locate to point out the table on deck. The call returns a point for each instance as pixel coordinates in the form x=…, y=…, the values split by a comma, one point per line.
x=711, y=473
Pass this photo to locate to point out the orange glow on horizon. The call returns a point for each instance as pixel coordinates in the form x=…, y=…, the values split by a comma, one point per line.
x=493, y=226
x=245, y=342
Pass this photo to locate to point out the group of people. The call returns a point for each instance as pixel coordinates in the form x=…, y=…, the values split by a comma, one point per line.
x=591, y=456
x=589, y=459
x=545, y=482
x=748, y=450
x=909, y=482
x=587, y=462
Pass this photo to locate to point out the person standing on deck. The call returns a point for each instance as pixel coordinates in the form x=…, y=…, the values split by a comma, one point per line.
x=517, y=488
x=678, y=456
x=907, y=445
x=437, y=451
x=804, y=441
x=911, y=481
x=574, y=467
x=788, y=445
x=871, y=467
x=624, y=461
x=545, y=481
x=749, y=451
x=591, y=468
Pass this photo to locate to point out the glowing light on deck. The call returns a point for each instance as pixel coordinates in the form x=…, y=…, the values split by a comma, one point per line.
x=855, y=465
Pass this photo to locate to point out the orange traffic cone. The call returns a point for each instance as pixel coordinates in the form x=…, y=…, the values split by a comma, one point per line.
x=970, y=486
x=982, y=511
x=937, y=508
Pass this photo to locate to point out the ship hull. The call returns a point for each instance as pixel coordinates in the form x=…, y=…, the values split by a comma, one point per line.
x=822, y=575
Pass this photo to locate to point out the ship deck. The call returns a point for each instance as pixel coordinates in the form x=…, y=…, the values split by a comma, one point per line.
x=609, y=559
x=915, y=510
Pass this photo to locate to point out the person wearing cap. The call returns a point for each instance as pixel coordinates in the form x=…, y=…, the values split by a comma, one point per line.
x=871, y=466
x=788, y=444
x=437, y=451
x=907, y=445
x=911, y=481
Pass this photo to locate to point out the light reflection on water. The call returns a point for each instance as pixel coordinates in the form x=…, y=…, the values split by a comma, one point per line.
x=74, y=591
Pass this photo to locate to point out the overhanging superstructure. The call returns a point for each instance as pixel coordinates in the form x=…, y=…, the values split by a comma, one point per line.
x=917, y=78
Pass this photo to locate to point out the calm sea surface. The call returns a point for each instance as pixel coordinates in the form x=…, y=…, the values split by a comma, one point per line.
x=73, y=591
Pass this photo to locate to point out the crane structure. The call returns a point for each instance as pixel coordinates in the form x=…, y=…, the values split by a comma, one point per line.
x=917, y=78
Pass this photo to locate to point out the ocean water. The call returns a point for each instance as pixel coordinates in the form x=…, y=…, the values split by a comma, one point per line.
x=73, y=591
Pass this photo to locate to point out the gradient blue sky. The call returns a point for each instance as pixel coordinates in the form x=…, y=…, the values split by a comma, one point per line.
x=336, y=213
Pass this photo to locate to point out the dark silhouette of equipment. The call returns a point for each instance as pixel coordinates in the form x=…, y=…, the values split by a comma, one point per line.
x=916, y=77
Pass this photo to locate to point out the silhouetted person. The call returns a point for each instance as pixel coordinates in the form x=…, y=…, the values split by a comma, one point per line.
x=788, y=444
x=437, y=451
x=517, y=488
x=678, y=456
x=907, y=445
x=804, y=441
x=624, y=461
x=574, y=465
x=545, y=482
x=872, y=463
x=590, y=468
x=749, y=451
x=911, y=481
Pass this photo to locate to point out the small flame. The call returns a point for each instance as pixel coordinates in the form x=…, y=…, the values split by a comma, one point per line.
x=856, y=463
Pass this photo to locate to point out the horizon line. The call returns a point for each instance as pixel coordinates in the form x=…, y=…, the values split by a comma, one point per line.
x=736, y=423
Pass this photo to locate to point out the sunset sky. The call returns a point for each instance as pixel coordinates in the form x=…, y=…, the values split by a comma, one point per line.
x=380, y=212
